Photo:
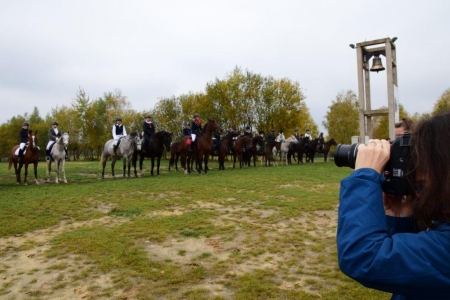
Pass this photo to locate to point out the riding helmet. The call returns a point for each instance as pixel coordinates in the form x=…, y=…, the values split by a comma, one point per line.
x=26, y=124
x=148, y=116
x=188, y=124
x=54, y=123
x=296, y=130
x=248, y=127
x=272, y=130
x=196, y=115
x=118, y=119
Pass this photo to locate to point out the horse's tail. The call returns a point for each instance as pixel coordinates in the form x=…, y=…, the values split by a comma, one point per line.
x=101, y=158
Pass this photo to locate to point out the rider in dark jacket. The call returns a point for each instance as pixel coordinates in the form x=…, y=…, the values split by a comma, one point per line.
x=271, y=136
x=187, y=130
x=23, y=137
x=149, y=130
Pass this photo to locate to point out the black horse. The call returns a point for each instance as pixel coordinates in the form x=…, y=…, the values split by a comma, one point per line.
x=257, y=149
x=154, y=149
x=300, y=147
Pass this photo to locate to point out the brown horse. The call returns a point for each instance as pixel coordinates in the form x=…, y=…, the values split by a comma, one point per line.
x=31, y=156
x=238, y=149
x=270, y=152
x=174, y=155
x=200, y=149
x=225, y=146
x=256, y=150
x=326, y=148
x=314, y=147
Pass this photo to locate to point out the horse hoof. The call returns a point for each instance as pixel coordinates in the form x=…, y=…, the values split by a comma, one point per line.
x=65, y=181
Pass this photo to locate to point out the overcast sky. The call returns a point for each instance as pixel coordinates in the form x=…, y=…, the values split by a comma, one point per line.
x=154, y=49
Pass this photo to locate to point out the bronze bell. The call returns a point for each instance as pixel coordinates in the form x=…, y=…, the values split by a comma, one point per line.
x=377, y=65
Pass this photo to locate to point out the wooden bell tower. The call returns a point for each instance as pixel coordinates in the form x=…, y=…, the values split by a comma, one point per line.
x=364, y=51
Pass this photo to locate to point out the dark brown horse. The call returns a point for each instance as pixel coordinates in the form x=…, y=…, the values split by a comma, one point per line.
x=239, y=150
x=160, y=140
x=299, y=148
x=326, y=148
x=314, y=147
x=270, y=153
x=174, y=155
x=200, y=149
x=225, y=147
x=31, y=156
x=256, y=150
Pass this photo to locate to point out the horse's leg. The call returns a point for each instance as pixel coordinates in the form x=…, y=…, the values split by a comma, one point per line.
x=124, y=165
x=57, y=163
x=49, y=168
x=325, y=154
x=63, y=169
x=206, y=163
x=113, y=163
x=104, y=159
x=25, y=175
x=158, y=163
x=153, y=165
x=35, y=172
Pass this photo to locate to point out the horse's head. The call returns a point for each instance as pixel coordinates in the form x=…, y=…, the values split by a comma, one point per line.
x=214, y=126
x=32, y=139
x=332, y=142
x=137, y=140
x=280, y=138
x=167, y=140
x=65, y=138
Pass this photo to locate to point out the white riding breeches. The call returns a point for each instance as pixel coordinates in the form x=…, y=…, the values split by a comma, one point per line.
x=22, y=146
x=116, y=139
x=49, y=144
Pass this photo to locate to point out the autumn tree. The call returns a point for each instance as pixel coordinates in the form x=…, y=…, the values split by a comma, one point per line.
x=442, y=104
x=342, y=118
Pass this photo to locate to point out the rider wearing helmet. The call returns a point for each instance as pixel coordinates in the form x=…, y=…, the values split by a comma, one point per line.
x=271, y=136
x=53, y=135
x=118, y=131
x=187, y=129
x=23, y=137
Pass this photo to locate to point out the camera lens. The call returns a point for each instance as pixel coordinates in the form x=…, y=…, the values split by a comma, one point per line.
x=345, y=155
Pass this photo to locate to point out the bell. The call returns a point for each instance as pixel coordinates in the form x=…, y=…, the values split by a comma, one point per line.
x=377, y=65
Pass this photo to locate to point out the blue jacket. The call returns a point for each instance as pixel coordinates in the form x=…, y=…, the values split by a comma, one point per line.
x=376, y=251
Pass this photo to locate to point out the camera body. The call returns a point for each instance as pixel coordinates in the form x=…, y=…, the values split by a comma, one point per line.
x=394, y=182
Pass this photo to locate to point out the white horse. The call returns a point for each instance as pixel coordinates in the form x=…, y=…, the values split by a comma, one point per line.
x=58, y=154
x=127, y=147
x=284, y=148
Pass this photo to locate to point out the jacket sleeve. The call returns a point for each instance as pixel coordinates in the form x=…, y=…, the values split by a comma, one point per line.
x=113, y=132
x=410, y=264
x=124, y=130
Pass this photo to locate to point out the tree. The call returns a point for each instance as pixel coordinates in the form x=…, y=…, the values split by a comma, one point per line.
x=342, y=118
x=442, y=104
x=381, y=123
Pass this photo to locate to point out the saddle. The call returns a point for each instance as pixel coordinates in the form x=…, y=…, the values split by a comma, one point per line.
x=24, y=151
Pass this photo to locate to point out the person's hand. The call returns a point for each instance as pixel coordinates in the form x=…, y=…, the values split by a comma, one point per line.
x=398, y=206
x=374, y=155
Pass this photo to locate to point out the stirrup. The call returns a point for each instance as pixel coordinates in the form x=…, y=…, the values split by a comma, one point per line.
x=47, y=158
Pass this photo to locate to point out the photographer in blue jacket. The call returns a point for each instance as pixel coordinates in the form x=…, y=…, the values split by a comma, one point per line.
x=402, y=248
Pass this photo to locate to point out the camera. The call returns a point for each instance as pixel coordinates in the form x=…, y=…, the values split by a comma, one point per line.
x=395, y=182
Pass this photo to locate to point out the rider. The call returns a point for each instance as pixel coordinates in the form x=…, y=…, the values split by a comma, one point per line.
x=23, y=137
x=118, y=131
x=296, y=135
x=216, y=141
x=308, y=134
x=149, y=129
x=271, y=136
x=196, y=127
x=187, y=130
x=53, y=135
x=321, y=141
x=248, y=132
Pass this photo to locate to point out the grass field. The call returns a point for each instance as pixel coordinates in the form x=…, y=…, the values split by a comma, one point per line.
x=252, y=233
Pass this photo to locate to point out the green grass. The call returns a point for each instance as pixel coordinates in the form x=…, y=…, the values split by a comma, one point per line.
x=252, y=233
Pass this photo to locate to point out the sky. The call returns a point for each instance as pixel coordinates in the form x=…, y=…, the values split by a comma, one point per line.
x=156, y=49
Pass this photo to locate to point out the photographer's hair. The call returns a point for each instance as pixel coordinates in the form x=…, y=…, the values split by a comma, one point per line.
x=429, y=168
x=406, y=123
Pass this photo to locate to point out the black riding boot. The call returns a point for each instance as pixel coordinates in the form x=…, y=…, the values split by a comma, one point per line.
x=47, y=155
x=115, y=148
x=20, y=155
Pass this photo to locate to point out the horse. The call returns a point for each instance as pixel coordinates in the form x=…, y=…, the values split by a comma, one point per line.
x=58, y=154
x=30, y=156
x=314, y=147
x=201, y=148
x=159, y=141
x=174, y=155
x=225, y=146
x=286, y=147
x=128, y=146
x=299, y=148
x=238, y=149
x=269, y=151
x=326, y=148
x=257, y=149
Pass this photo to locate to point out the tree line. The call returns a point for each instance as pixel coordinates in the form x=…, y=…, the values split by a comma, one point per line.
x=241, y=99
